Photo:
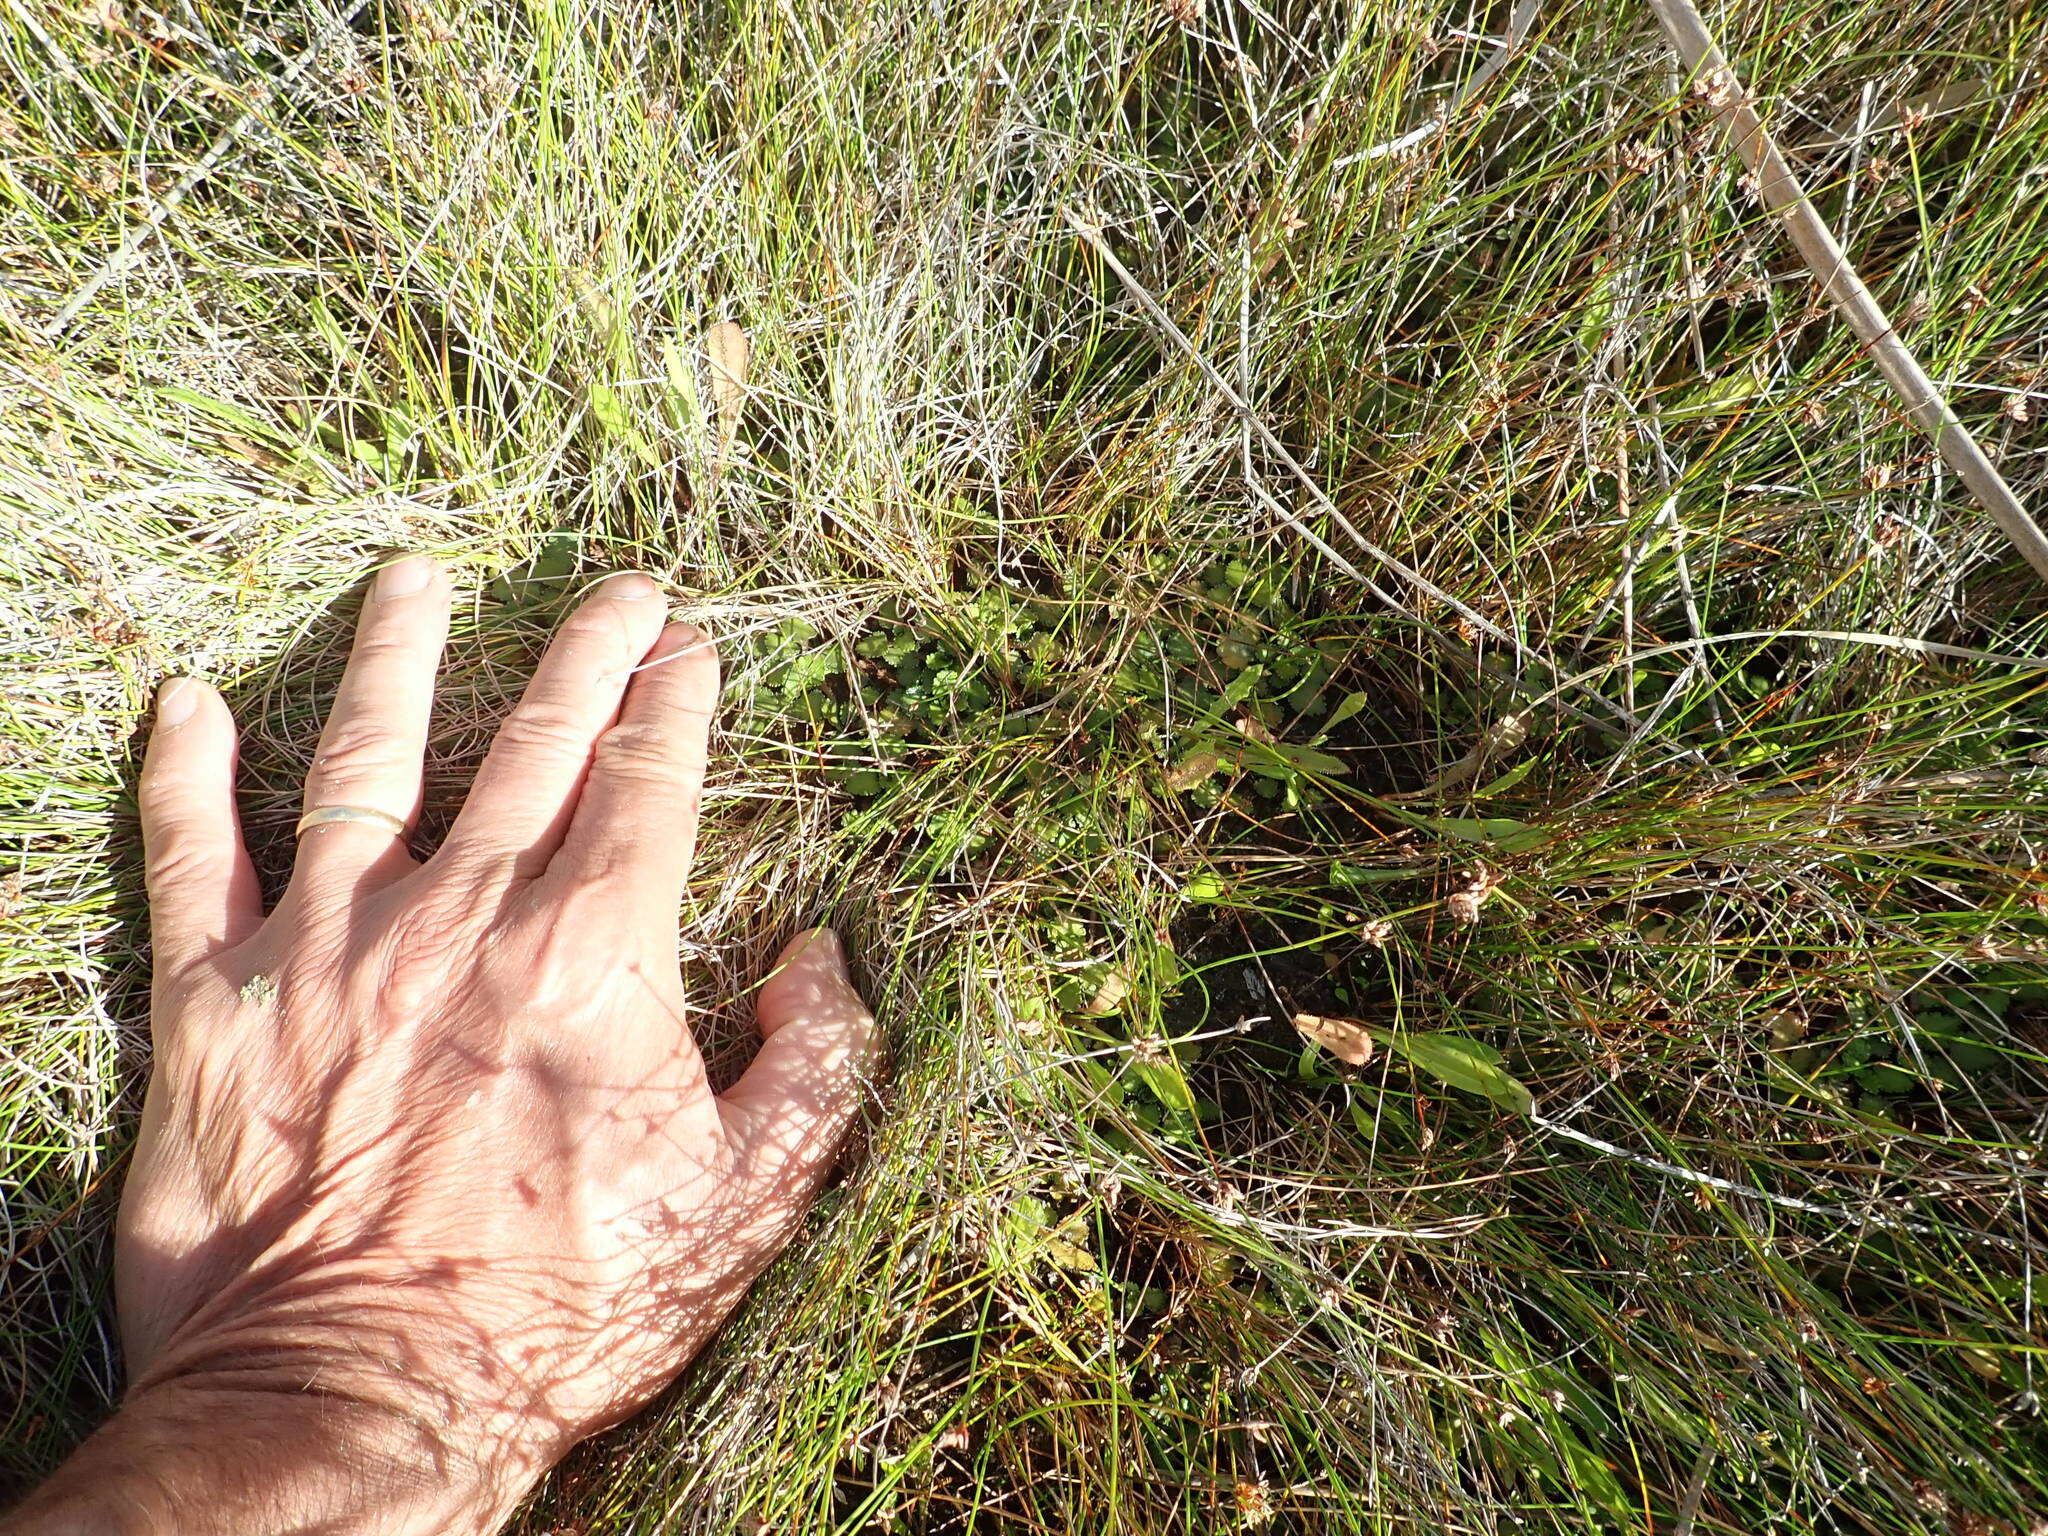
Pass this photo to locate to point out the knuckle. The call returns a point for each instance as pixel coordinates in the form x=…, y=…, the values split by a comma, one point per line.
x=387, y=639
x=186, y=1054
x=178, y=857
x=596, y=627
x=451, y=897
x=427, y=947
x=196, y=1022
x=357, y=752
x=545, y=726
x=638, y=752
x=420, y=966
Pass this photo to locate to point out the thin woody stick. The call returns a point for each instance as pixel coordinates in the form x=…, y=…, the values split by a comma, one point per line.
x=1786, y=198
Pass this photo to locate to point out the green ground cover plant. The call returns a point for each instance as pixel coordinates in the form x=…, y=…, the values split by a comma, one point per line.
x=1661, y=1148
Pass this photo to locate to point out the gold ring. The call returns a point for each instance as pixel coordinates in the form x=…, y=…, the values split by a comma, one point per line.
x=321, y=815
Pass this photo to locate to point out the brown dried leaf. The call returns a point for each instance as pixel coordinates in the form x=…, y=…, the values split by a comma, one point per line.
x=1110, y=996
x=727, y=348
x=1346, y=1039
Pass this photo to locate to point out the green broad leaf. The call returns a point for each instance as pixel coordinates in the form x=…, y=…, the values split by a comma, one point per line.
x=1877, y=1114
x=1596, y=316
x=1505, y=833
x=221, y=411
x=1314, y=1064
x=1309, y=760
x=1030, y=1232
x=544, y=579
x=606, y=318
x=1506, y=781
x=809, y=669
x=1165, y=1081
x=1100, y=1079
x=1590, y=1474
x=682, y=383
x=1787, y=1072
x=1474, y=829
x=1936, y=1023
x=1715, y=399
x=1203, y=885
x=863, y=781
x=330, y=331
x=1970, y=1057
x=1348, y=706
x=611, y=413
x=1886, y=1080
x=1284, y=763
x=1459, y=1061
x=1351, y=876
x=1240, y=688
x=609, y=409
x=1027, y=1213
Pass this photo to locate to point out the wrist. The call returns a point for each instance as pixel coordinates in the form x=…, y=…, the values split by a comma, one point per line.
x=203, y=1457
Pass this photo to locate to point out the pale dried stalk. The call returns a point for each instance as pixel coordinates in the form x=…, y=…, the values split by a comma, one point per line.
x=1786, y=198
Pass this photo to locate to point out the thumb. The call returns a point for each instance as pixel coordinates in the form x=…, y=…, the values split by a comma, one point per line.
x=787, y=1115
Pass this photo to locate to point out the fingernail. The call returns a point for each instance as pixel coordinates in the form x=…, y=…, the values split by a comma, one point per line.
x=630, y=587
x=408, y=576
x=175, y=702
x=829, y=946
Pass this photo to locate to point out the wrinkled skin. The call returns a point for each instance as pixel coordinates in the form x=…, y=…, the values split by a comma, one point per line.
x=431, y=1143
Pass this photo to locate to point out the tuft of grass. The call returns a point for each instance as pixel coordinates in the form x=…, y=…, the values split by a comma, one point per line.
x=1050, y=686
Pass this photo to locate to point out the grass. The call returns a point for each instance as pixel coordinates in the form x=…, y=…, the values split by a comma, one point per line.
x=1046, y=686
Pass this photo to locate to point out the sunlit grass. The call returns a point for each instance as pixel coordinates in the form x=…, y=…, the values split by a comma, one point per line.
x=1000, y=570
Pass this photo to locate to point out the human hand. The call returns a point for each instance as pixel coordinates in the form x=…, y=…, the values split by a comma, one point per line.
x=430, y=1182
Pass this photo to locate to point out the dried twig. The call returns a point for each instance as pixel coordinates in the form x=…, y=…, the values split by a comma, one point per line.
x=1782, y=194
